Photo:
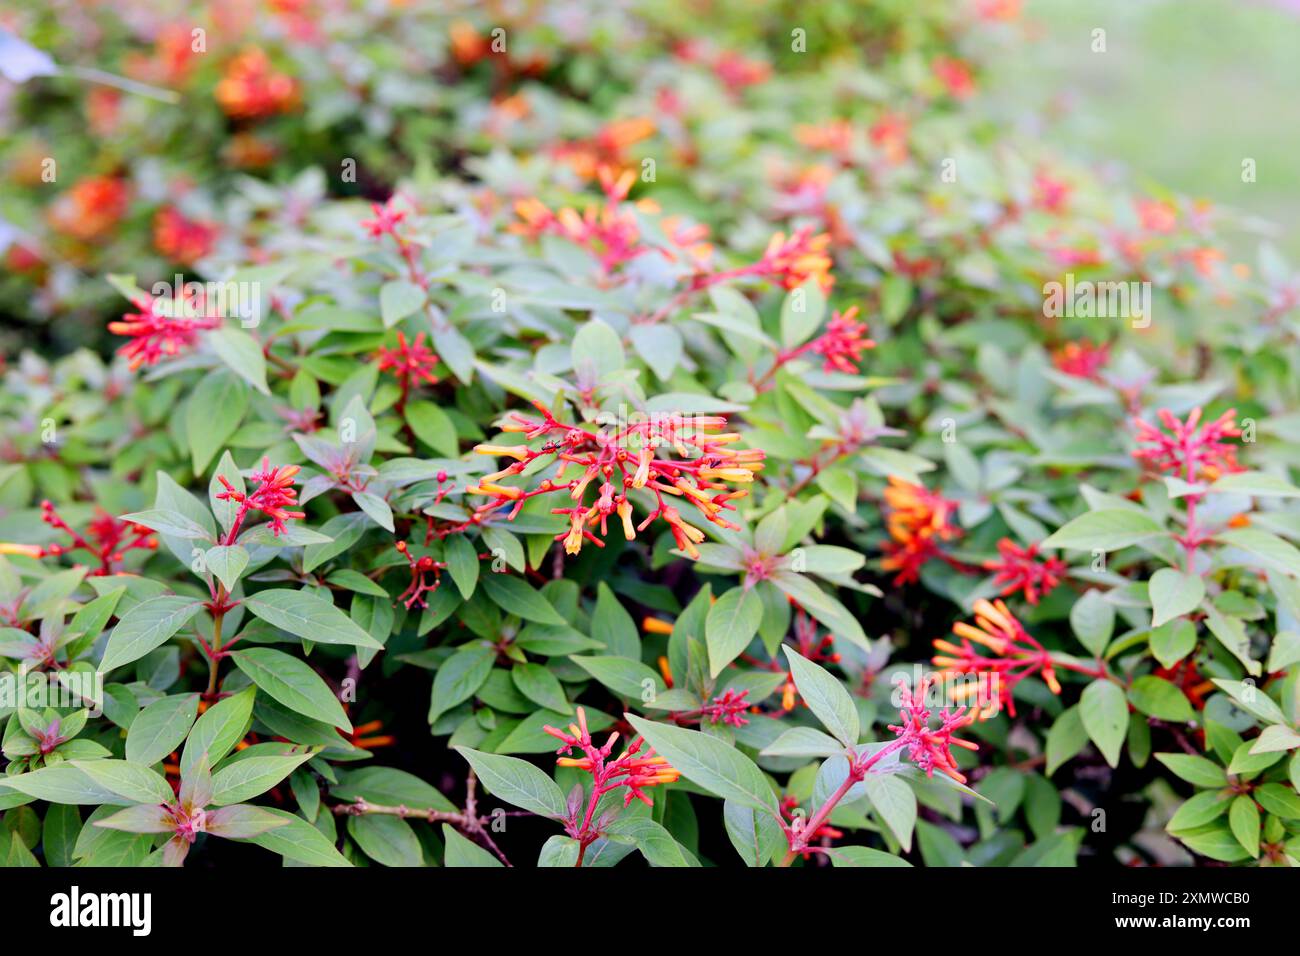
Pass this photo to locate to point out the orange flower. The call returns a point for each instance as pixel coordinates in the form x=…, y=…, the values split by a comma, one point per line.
x=1013, y=655
x=917, y=520
x=91, y=208
x=251, y=88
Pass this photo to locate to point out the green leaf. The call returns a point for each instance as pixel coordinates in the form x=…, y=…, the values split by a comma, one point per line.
x=517, y=782
x=516, y=596
x=1243, y=820
x=863, y=856
x=240, y=352
x=731, y=624
x=803, y=742
x=386, y=839
x=1254, y=483
x=244, y=779
x=1172, y=641
x=1215, y=841
x=655, y=843
x=826, y=609
x=1195, y=770
x=433, y=427
x=627, y=678
x=462, y=563
x=1276, y=738
x=826, y=697
x=1160, y=699
x=63, y=783
x=613, y=625
x=1279, y=800
x=801, y=313
x=299, y=841
x=756, y=835
x=1108, y=529
x=399, y=298
x=1092, y=618
x=212, y=414
x=146, y=626
x=1065, y=739
x=1173, y=594
x=1105, y=717
x=227, y=563
x=895, y=801
x=303, y=614
x=1201, y=808
x=160, y=728
x=709, y=762
x=293, y=683
x=538, y=684
x=459, y=677
x=218, y=730
x=462, y=852
x=1272, y=552
x=168, y=522
x=133, y=781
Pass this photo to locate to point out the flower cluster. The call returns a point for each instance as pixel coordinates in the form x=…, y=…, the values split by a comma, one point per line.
x=622, y=460
x=274, y=490
x=180, y=239
x=1082, y=359
x=1021, y=569
x=410, y=363
x=91, y=208
x=106, y=537
x=251, y=88
x=1015, y=655
x=631, y=769
x=728, y=707
x=917, y=520
x=156, y=335
x=795, y=259
x=1189, y=450
x=413, y=596
x=607, y=149
x=929, y=749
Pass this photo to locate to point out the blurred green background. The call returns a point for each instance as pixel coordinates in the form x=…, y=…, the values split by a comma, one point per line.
x=1185, y=90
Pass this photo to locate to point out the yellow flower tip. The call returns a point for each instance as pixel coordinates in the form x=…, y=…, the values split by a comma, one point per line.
x=26, y=550
x=517, y=452
x=1049, y=676
x=653, y=625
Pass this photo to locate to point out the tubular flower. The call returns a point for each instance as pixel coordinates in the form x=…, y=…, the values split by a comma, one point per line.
x=251, y=88
x=930, y=749
x=1189, y=450
x=917, y=520
x=1019, y=569
x=823, y=833
x=274, y=490
x=632, y=769
x=182, y=240
x=155, y=336
x=615, y=462
x=1012, y=655
x=106, y=537
x=1082, y=359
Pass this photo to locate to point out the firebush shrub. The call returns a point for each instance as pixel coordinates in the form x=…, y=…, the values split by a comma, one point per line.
x=579, y=438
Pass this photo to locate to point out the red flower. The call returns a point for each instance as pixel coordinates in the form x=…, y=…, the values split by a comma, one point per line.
x=387, y=218
x=409, y=363
x=415, y=591
x=728, y=707
x=955, y=75
x=843, y=342
x=251, y=88
x=1189, y=450
x=106, y=537
x=930, y=749
x=91, y=208
x=156, y=336
x=1019, y=569
x=1082, y=359
x=273, y=492
x=182, y=240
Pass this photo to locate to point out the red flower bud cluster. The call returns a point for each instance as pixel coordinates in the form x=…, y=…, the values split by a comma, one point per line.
x=155, y=336
x=413, y=596
x=273, y=491
x=106, y=537
x=1189, y=450
x=1020, y=570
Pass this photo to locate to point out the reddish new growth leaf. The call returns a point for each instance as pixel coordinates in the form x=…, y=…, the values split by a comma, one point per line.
x=699, y=468
x=1189, y=450
x=631, y=769
x=1014, y=655
x=917, y=520
x=1020, y=569
x=273, y=491
x=155, y=336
